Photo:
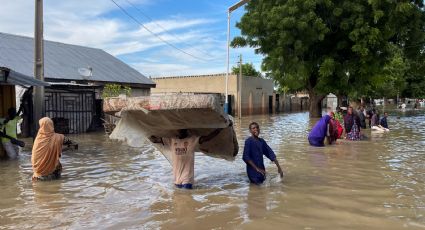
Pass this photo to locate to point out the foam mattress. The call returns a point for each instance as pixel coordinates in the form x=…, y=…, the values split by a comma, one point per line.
x=163, y=115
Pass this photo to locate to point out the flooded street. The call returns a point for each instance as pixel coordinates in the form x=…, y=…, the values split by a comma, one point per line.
x=373, y=184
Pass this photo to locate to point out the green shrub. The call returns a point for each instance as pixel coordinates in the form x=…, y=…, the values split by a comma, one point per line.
x=114, y=90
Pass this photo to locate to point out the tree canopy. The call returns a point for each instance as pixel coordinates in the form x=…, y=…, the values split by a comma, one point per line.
x=248, y=70
x=347, y=47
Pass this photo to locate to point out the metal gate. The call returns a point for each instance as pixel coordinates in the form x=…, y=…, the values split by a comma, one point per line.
x=72, y=111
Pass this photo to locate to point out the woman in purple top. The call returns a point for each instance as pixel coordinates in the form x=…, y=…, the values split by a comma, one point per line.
x=319, y=132
x=352, y=125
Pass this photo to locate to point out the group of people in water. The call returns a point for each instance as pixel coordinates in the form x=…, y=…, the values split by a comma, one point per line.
x=48, y=145
x=182, y=151
x=47, y=148
x=333, y=125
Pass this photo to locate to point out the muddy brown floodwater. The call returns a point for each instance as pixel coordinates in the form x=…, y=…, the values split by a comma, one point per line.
x=373, y=184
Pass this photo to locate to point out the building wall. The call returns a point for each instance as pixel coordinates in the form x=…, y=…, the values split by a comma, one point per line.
x=255, y=95
x=331, y=101
x=138, y=92
x=255, y=91
x=195, y=84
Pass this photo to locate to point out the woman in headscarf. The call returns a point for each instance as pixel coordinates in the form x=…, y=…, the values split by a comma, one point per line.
x=339, y=128
x=46, y=152
x=352, y=125
x=335, y=129
x=320, y=131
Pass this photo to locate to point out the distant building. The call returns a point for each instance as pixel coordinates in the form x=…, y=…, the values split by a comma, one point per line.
x=257, y=93
x=331, y=101
x=73, y=99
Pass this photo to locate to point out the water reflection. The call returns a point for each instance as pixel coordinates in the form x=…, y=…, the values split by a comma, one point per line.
x=372, y=184
x=256, y=202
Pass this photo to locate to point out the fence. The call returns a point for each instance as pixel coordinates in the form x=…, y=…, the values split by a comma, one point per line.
x=72, y=112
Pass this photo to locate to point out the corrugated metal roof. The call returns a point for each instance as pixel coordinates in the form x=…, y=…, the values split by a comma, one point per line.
x=62, y=61
x=16, y=78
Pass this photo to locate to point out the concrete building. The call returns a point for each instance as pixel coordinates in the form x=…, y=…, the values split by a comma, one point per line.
x=331, y=101
x=257, y=93
x=73, y=98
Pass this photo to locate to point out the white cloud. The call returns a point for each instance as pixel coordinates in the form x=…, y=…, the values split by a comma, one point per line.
x=140, y=40
x=175, y=24
x=89, y=23
x=171, y=69
x=82, y=23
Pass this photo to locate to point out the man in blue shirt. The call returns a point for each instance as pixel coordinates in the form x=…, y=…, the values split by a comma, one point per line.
x=383, y=122
x=254, y=150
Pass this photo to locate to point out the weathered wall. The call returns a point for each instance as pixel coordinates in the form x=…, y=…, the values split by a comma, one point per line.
x=255, y=95
x=195, y=84
x=138, y=92
x=255, y=91
x=291, y=103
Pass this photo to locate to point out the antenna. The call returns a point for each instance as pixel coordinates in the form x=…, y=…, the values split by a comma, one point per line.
x=86, y=73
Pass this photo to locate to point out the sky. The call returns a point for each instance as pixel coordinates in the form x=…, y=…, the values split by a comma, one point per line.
x=195, y=31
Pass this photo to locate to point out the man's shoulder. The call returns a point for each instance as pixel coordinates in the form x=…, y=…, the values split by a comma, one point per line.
x=262, y=140
x=248, y=139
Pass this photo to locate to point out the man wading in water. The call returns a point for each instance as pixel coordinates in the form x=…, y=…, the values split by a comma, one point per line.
x=182, y=150
x=255, y=148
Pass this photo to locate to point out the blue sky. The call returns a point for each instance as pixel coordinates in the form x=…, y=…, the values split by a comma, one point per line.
x=197, y=27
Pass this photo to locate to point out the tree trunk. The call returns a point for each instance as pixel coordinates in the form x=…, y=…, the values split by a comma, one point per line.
x=339, y=98
x=315, y=108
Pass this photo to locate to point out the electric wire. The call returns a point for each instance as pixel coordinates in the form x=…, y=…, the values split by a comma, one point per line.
x=154, y=34
x=164, y=29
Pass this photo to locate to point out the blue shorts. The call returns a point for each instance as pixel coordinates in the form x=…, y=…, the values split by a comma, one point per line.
x=185, y=186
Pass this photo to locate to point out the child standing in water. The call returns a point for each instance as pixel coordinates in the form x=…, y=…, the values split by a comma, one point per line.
x=255, y=148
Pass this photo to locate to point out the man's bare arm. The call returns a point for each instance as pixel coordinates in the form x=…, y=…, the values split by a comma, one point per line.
x=251, y=163
x=156, y=140
x=212, y=134
x=279, y=169
x=209, y=136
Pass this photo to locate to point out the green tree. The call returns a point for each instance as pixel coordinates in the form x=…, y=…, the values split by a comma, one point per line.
x=346, y=47
x=248, y=70
x=415, y=80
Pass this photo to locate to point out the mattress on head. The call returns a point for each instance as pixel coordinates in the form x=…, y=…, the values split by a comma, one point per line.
x=164, y=115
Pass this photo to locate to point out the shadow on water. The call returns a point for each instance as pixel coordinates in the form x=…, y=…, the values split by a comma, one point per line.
x=372, y=184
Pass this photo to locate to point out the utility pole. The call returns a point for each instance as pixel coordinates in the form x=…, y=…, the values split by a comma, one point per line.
x=226, y=103
x=240, y=87
x=229, y=11
x=38, y=63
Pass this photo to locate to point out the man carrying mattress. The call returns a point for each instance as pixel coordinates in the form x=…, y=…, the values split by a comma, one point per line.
x=182, y=149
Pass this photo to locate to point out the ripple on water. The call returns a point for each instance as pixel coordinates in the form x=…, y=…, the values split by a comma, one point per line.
x=372, y=184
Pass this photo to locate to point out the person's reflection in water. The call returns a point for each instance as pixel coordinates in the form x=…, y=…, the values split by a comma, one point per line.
x=48, y=196
x=183, y=211
x=257, y=202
